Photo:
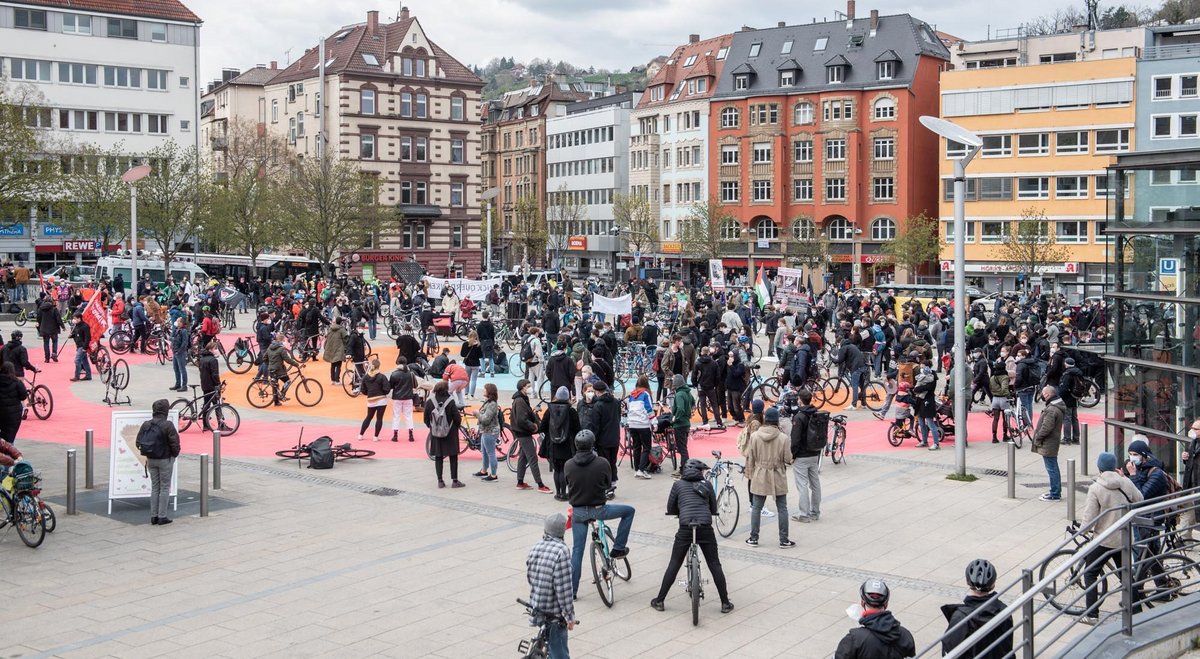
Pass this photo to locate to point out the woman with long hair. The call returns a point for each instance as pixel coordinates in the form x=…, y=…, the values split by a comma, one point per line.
x=444, y=445
x=375, y=388
x=641, y=415
x=488, y=416
x=472, y=354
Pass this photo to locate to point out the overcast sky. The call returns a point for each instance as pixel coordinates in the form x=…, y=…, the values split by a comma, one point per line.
x=601, y=33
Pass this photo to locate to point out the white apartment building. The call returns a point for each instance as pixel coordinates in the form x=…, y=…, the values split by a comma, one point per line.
x=109, y=73
x=587, y=159
x=237, y=96
x=1014, y=47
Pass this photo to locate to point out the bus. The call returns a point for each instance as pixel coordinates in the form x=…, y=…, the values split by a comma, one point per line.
x=270, y=266
x=927, y=293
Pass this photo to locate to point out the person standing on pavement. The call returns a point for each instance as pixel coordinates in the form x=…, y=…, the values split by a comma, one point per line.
x=879, y=635
x=1191, y=475
x=472, y=355
x=533, y=357
x=375, y=388
x=641, y=414
x=489, y=417
x=161, y=466
x=1071, y=378
x=335, y=350
x=525, y=425
x=402, y=387
x=180, y=343
x=1046, y=438
x=548, y=570
x=925, y=397
x=441, y=410
x=735, y=385
x=81, y=334
x=588, y=484
x=806, y=462
x=560, y=368
x=982, y=603
x=210, y=386
x=1106, y=497
x=693, y=501
x=50, y=324
x=768, y=454
x=707, y=378
x=682, y=404
x=558, y=428
x=608, y=439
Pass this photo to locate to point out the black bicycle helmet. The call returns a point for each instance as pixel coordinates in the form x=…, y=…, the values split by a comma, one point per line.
x=981, y=575
x=693, y=463
x=874, y=593
x=585, y=440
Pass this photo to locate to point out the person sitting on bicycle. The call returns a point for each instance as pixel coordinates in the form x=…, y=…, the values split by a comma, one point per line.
x=278, y=359
x=983, y=604
x=589, y=478
x=879, y=634
x=17, y=354
x=693, y=501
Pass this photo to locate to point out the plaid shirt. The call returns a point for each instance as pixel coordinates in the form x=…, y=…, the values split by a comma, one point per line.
x=549, y=573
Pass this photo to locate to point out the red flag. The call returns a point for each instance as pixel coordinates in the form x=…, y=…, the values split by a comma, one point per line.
x=96, y=317
x=42, y=281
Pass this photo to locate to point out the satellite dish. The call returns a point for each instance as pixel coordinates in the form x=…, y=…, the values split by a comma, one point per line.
x=951, y=131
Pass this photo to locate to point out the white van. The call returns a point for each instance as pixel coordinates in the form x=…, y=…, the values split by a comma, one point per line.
x=109, y=266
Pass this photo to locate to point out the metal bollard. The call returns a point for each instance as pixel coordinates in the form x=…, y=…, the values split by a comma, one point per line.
x=216, y=465
x=204, y=485
x=1083, y=451
x=1070, y=489
x=71, y=481
x=89, y=459
x=1012, y=470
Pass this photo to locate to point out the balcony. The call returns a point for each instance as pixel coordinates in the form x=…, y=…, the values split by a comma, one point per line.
x=730, y=171
x=1173, y=51
x=220, y=143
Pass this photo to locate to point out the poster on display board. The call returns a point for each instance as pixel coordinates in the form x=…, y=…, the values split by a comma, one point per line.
x=475, y=289
x=127, y=477
x=789, y=282
x=716, y=274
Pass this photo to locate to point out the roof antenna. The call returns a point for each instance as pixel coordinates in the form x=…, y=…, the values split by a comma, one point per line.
x=288, y=53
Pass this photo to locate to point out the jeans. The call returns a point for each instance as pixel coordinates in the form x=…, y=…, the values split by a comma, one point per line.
x=82, y=367
x=929, y=426
x=580, y=531
x=556, y=641
x=179, y=366
x=372, y=327
x=1026, y=399
x=756, y=505
x=160, y=484
x=858, y=386
x=1071, y=424
x=1051, y=463
x=808, y=477
x=50, y=346
x=488, y=362
x=473, y=375
x=681, y=444
x=402, y=409
x=488, y=449
x=708, y=544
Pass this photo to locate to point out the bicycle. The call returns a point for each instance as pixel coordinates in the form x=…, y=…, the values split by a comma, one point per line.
x=538, y=647
x=41, y=401
x=471, y=438
x=1091, y=396
x=226, y=416
x=23, y=316
x=695, y=585
x=836, y=450
x=352, y=376
x=729, y=507
x=604, y=566
x=262, y=392
x=836, y=391
x=902, y=428
x=768, y=389
x=20, y=504
x=340, y=452
x=242, y=357
x=1015, y=428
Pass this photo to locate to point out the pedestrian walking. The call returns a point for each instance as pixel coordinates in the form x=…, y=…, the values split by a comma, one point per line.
x=525, y=425
x=768, y=455
x=548, y=570
x=335, y=350
x=443, y=418
x=50, y=325
x=375, y=388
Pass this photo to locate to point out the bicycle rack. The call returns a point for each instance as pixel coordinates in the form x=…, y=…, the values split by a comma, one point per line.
x=113, y=389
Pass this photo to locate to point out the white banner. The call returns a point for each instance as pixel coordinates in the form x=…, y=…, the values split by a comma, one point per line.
x=716, y=274
x=620, y=306
x=127, y=478
x=474, y=289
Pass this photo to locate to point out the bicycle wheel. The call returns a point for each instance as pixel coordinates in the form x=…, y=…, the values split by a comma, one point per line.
x=103, y=362
x=544, y=393
x=896, y=434
x=464, y=439
x=239, y=361
x=293, y=453
x=1182, y=574
x=28, y=519
x=187, y=413
x=21, y=319
x=367, y=347
x=161, y=355
x=729, y=509
x=602, y=573
x=120, y=341
x=43, y=402
x=618, y=389
x=353, y=453
x=756, y=353
x=49, y=520
x=260, y=394
x=516, y=367
x=835, y=391
x=1092, y=397
x=223, y=418
x=119, y=374
x=1066, y=593
x=875, y=395
x=308, y=392
x=513, y=456
x=768, y=391
x=620, y=566
x=350, y=382
x=838, y=449
x=693, y=586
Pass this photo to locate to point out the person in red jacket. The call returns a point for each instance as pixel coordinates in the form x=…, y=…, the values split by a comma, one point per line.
x=209, y=328
x=457, y=378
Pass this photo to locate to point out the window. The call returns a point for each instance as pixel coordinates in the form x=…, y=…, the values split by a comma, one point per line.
x=1112, y=141
x=729, y=154
x=1073, y=141
x=885, y=70
x=754, y=49
x=1162, y=87
x=820, y=44
x=730, y=118
x=80, y=120
x=421, y=154
x=730, y=192
x=275, y=111
x=970, y=189
x=741, y=82
x=835, y=149
x=995, y=146
x=761, y=190
x=993, y=231
x=955, y=149
x=300, y=124
x=1102, y=232
x=76, y=24
x=30, y=19
x=884, y=188
x=803, y=114
x=125, y=122
x=456, y=151
x=968, y=232
x=722, y=53
x=835, y=189
x=764, y=114
x=803, y=189
x=370, y=59
x=787, y=78
x=156, y=79
x=456, y=234
x=420, y=67
x=690, y=60
x=835, y=74
x=184, y=82
x=787, y=47
x=731, y=230
x=839, y=229
x=419, y=193
x=1033, y=187
x=406, y=66
x=31, y=69
x=366, y=148
x=1070, y=187
x=122, y=28
x=883, y=229
x=422, y=106
x=38, y=117
x=1057, y=57
x=761, y=152
x=885, y=148
x=803, y=151
x=457, y=105
x=885, y=108
x=1033, y=144
x=366, y=101
x=1187, y=86
x=77, y=74
x=1187, y=125
x=1073, y=231
x=406, y=105
x=156, y=124
x=158, y=32
x=995, y=189
x=666, y=158
x=1162, y=126
x=803, y=229
x=122, y=76
x=1102, y=189
x=419, y=233
x=456, y=198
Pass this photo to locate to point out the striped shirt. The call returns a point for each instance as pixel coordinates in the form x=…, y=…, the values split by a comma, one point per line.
x=548, y=569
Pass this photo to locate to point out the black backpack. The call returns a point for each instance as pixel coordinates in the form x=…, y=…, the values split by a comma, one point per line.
x=320, y=453
x=818, y=431
x=527, y=351
x=152, y=441
x=558, y=423
x=1079, y=386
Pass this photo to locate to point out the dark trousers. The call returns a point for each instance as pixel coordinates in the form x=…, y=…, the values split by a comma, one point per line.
x=641, y=448
x=733, y=400
x=453, y=458
x=708, y=400
x=708, y=544
x=209, y=398
x=609, y=453
x=560, y=476
x=141, y=333
x=9, y=425
x=376, y=412
x=528, y=460
x=681, y=444
x=50, y=346
x=335, y=372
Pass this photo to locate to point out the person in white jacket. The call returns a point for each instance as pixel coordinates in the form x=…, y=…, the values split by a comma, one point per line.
x=639, y=418
x=1108, y=492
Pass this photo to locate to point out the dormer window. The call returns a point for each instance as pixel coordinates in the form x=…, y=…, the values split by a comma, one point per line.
x=787, y=78
x=787, y=48
x=885, y=70
x=741, y=82
x=834, y=74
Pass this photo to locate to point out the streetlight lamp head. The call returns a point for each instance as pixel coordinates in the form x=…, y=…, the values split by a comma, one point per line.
x=490, y=193
x=135, y=174
x=951, y=131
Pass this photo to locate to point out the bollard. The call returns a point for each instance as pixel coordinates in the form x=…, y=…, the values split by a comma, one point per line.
x=1070, y=489
x=216, y=465
x=1012, y=470
x=204, y=485
x=71, y=481
x=1083, y=451
x=89, y=459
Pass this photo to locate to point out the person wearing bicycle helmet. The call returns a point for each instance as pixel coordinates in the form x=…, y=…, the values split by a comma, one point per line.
x=589, y=479
x=980, y=605
x=879, y=635
x=693, y=501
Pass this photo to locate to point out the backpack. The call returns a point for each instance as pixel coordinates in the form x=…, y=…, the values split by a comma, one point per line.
x=439, y=422
x=527, y=351
x=1173, y=489
x=126, y=313
x=877, y=331
x=320, y=453
x=818, y=431
x=558, y=423
x=152, y=441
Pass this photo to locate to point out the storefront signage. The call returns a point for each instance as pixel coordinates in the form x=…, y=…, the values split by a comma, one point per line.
x=577, y=243
x=13, y=230
x=79, y=245
x=1047, y=269
x=384, y=257
x=672, y=248
x=862, y=258
x=51, y=230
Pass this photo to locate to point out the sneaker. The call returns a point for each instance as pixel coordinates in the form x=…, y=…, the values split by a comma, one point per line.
x=803, y=519
x=524, y=486
x=719, y=426
x=441, y=484
x=787, y=543
x=489, y=479
x=360, y=438
x=395, y=436
x=657, y=605
x=543, y=489
x=560, y=497
x=619, y=553
x=850, y=408
x=753, y=542
x=458, y=483
x=480, y=474
x=1090, y=621
x=675, y=474
x=726, y=607
x=1049, y=497
x=611, y=494
x=935, y=447
x=706, y=426
x=922, y=444
x=877, y=415
x=767, y=513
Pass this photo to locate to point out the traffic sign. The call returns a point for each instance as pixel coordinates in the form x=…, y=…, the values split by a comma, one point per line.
x=1168, y=266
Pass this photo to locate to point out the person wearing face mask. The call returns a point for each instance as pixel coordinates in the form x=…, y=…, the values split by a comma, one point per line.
x=879, y=635
x=1150, y=478
x=1191, y=474
x=1070, y=385
x=1046, y=439
x=1105, y=497
x=525, y=425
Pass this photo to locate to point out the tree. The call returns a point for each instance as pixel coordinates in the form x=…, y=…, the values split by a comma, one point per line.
x=1030, y=244
x=528, y=230
x=25, y=175
x=96, y=200
x=916, y=246
x=247, y=211
x=171, y=199
x=563, y=217
x=633, y=217
x=333, y=209
x=807, y=248
x=700, y=231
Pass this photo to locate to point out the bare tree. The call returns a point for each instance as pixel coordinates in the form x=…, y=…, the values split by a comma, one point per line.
x=633, y=217
x=171, y=199
x=1030, y=245
x=916, y=246
x=528, y=230
x=564, y=216
x=700, y=230
x=247, y=211
x=807, y=247
x=95, y=199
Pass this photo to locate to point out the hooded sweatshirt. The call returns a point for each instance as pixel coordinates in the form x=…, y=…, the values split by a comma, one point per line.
x=989, y=607
x=588, y=479
x=1110, y=490
x=879, y=636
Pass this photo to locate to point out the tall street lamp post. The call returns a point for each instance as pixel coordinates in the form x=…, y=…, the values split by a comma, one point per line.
x=487, y=197
x=131, y=177
x=637, y=254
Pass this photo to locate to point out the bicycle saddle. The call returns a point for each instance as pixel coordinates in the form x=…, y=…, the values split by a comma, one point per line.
x=839, y=418
x=716, y=454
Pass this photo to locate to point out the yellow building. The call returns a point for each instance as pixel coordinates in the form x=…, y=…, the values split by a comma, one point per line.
x=1049, y=131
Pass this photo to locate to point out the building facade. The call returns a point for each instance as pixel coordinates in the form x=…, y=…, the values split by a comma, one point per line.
x=587, y=166
x=237, y=96
x=1015, y=47
x=114, y=75
x=814, y=136
x=405, y=111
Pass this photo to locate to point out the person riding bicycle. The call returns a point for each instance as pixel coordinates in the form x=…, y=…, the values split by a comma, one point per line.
x=589, y=479
x=278, y=359
x=879, y=635
x=693, y=501
x=15, y=353
x=981, y=604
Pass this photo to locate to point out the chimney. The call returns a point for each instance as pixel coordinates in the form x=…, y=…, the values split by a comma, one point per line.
x=874, y=20
x=228, y=74
x=849, y=10
x=781, y=24
x=274, y=65
x=404, y=13
x=693, y=38
x=372, y=21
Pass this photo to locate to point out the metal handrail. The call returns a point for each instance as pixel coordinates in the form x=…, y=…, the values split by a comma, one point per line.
x=1139, y=514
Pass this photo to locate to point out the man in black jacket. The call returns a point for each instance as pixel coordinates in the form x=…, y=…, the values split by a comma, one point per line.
x=879, y=635
x=693, y=501
x=210, y=385
x=81, y=334
x=49, y=324
x=17, y=354
x=608, y=438
x=410, y=349
x=560, y=368
x=852, y=363
x=707, y=378
x=1071, y=376
x=806, y=463
x=981, y=580
x=487, y=342
x=589, y=478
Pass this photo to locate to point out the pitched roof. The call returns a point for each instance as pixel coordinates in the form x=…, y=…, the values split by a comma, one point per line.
x=853, y=46
x=258, y=76
x=675, y=68
x=789, y=65
x=888, y=55
x=172, y=10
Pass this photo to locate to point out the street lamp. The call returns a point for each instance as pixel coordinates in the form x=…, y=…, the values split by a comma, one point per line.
x=489, y=195
x=132, y=176
x=748, y=235
x=956, y=133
